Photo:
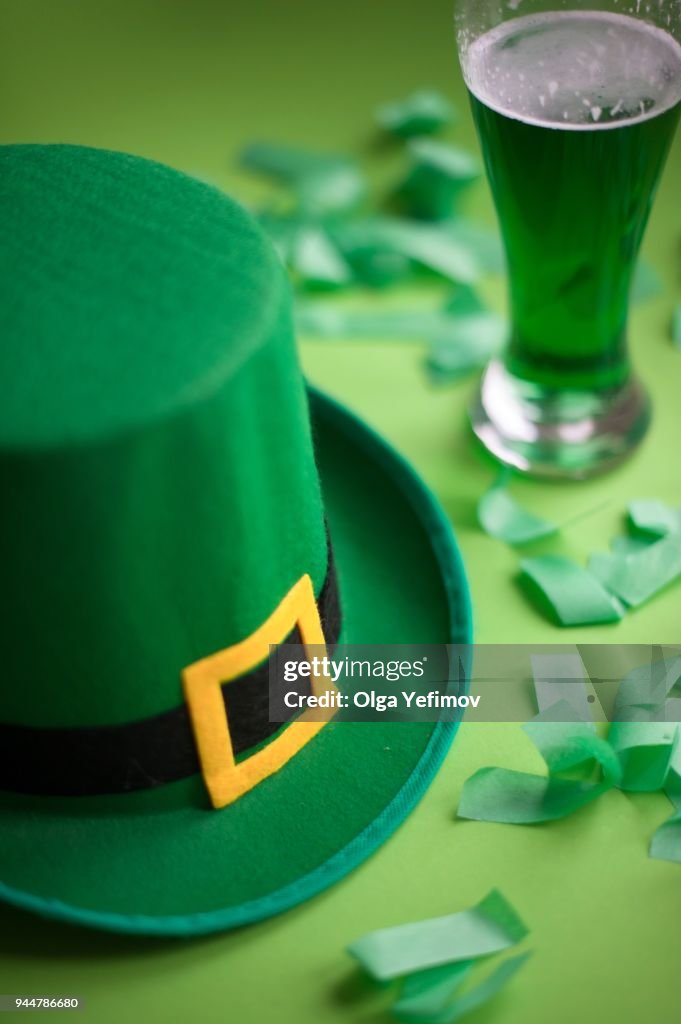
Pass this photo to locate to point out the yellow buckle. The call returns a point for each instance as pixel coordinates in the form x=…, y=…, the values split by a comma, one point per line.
x=226, y=780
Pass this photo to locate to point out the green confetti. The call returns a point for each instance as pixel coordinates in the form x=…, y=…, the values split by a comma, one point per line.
x=322, y=184
x=427, y=992
x=469, y=337
x=566, y=746
x=676, y=326
x=521, y=798
x=408, y=324
x=374, y=261
x=465, y=301
x=502, y=517
x=462, y=336
x=654, y=517
x=666, y=841
x=451, y=161
x=635, y=578
x=645, y=751
x=471, y=334
x=643, y=734
x=316, y=260
x=463, y=350
x=642, y=753
x=576, y=597
x=561, y=680
x=435, y=250
x=424, y=244
x=672, y=785
x=647, y=283
x=378, y=268
x=422, y=113
x=282, y=231
x=483, y=243
x=629, y=545
x=489, y=927
x=439, y=173
x=646, y=689
x=476, y=997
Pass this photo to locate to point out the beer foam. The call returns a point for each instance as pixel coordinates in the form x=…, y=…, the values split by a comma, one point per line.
x=575, y=70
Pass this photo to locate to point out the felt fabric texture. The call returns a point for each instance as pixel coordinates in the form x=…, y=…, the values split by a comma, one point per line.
x=150, y=533
x=133, y=422
x=148, y=752
x=151, y=863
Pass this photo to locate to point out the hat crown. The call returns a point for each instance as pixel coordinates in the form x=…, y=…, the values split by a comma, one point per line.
x=160, y=495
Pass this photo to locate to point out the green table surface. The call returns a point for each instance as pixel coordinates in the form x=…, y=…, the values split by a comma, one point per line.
x=188, y=83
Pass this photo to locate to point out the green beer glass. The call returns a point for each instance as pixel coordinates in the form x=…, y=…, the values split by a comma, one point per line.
x=575, y=104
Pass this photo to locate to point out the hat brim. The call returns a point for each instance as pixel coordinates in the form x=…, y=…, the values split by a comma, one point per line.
x=170, y=868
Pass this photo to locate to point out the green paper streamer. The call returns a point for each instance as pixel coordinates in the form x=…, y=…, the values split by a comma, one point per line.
x=425, y=244
x=627, y=544
x=464, y=343
x=645, y=751
x=489, y=927
x=676, y=326
x=521, y=798
x=673, y=782
x=647, y=283
x=436, y=251
x=637, y=577
x=377, y=268
x=645, y=733
x=502, y=517
x=456, y=250
x=330, y=321
x=561, y=682
x=574, y=748
x=438, y=175
x=468, y=338
x=482, y=242
x=451, y=161
x=672, y=709
x=654, y=517
x=316, y=260
x=374, y=262
x=283, y=232
x=321, y=183
x=465, y=301
x=666, y=841
x=461, y=353
x=427, y=992
x=645, y=689
x=478, y=996
x=576, y=596
x=642, y=753
x=462, y=336
x=423, y=113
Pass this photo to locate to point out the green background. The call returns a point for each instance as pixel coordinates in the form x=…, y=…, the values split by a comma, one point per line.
x=188, y=83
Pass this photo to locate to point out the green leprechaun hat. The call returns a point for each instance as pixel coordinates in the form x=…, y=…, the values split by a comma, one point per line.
x=175, y=501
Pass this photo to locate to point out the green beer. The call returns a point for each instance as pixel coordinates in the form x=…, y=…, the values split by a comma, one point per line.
x=575, y=111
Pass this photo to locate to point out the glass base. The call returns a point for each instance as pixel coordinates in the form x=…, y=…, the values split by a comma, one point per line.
x=560, y=434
